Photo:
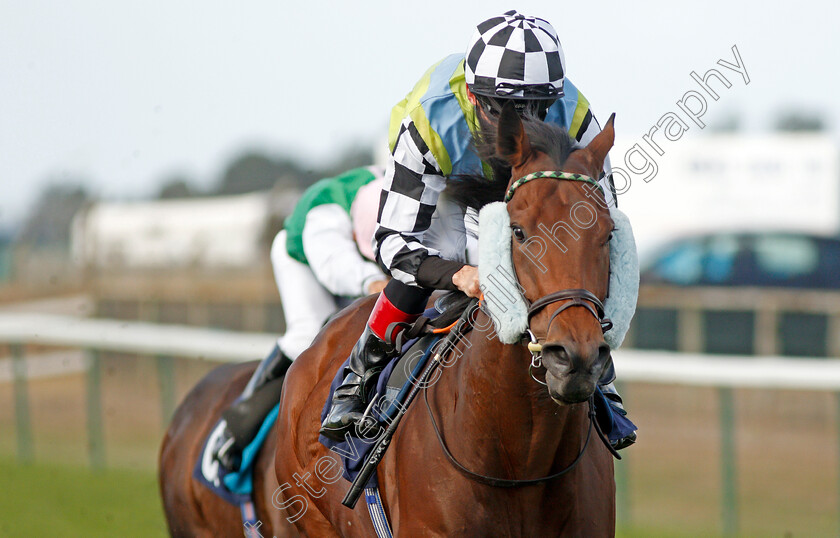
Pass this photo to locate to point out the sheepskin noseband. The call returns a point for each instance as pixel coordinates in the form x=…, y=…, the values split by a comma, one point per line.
x=503, y=296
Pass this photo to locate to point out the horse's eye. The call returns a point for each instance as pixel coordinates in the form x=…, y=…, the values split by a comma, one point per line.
x=518, y=233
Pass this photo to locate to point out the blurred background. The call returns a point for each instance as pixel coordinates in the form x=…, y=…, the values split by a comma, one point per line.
x=149, y=153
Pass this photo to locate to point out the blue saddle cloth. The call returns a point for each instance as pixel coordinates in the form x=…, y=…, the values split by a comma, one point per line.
x=236, y=487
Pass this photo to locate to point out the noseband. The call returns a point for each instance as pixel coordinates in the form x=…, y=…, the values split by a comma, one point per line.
x=573, y=297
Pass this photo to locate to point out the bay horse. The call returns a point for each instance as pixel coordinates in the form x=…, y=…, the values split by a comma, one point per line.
x=496, y=420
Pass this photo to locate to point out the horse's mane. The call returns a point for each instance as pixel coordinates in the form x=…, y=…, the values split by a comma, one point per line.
x=477, y=190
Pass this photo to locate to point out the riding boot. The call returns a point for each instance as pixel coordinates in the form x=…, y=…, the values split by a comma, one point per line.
x=370, y=354
x=245, y=416
x=607, y=385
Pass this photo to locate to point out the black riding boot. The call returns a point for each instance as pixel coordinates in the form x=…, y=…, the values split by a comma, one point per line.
x=371, y=353
x=369, y=356
x=245, y=416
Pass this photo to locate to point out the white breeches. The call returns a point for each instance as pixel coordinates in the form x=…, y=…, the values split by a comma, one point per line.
x=306, y=303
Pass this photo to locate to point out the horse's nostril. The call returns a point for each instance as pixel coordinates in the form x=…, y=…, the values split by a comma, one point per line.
x=603, y=352
x=603, y=364
x=557, y=351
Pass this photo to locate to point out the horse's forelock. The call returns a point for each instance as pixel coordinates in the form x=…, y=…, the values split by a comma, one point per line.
x=550, y=139
x=547, y=138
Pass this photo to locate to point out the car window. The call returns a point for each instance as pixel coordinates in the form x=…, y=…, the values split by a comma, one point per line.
x=681, y=264
x=720, y=259
x=828, y=273
x=786, y=257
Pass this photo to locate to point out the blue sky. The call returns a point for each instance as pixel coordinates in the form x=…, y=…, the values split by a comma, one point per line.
x=125, y=94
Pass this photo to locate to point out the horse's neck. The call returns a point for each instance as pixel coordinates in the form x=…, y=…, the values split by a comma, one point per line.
x=506, y=421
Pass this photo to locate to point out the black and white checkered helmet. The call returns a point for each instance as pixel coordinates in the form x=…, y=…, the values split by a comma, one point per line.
x=517, y=57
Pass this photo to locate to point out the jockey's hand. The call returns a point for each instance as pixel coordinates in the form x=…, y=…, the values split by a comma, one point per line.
x=377, y=286
x=466, y=280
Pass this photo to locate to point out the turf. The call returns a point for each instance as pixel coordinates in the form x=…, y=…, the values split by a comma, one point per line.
x=52, y=500
x=786, y=453
x=56, y=500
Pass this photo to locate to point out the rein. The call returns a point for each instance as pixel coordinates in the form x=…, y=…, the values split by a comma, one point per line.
x=507, y=482
x=458, y=331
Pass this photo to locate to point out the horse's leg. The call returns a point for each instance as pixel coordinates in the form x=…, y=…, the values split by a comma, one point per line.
x=312, y=491
x=190, y=508
x=272, y=520
x=298, y=448
x=597, y=498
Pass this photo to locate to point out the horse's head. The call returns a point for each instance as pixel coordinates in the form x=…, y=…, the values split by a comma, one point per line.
x=561, y=228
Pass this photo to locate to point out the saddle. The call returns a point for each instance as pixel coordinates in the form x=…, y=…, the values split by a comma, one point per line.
x=416, y=342
x=396, y=379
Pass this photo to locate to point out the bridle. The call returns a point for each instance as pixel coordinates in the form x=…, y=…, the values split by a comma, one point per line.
x=569, y=298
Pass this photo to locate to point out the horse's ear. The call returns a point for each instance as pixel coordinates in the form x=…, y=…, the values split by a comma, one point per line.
x=511, y=142
x=602, y=143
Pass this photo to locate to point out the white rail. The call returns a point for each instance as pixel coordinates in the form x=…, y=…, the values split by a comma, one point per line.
x=218, y=345
x=134, y=337
x=727, y=370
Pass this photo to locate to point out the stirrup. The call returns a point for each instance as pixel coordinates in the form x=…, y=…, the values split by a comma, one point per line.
x=226, y=454
x=624, y=442
x=367, y=421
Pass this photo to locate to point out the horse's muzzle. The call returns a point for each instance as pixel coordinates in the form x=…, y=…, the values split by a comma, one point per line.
x=573, y=370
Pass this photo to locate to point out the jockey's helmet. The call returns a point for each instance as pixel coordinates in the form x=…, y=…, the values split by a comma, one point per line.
x=515, y=57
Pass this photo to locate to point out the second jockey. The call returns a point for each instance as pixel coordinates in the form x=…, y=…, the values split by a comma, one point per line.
x=322, y=259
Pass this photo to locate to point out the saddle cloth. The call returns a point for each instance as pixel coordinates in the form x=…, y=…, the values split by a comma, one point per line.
x=237, y=487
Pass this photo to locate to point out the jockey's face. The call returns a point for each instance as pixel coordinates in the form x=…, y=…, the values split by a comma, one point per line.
x=532, y=107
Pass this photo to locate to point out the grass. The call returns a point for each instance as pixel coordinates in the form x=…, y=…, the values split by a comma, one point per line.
x=54, y=500
x=786, y=450
x=640, y=532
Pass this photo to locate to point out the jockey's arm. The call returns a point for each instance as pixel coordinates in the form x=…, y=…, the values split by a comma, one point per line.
x=332, y=253
x=413, y=183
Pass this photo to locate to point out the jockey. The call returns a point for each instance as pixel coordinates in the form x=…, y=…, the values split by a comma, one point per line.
x=510, y=58
x=323, y=256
